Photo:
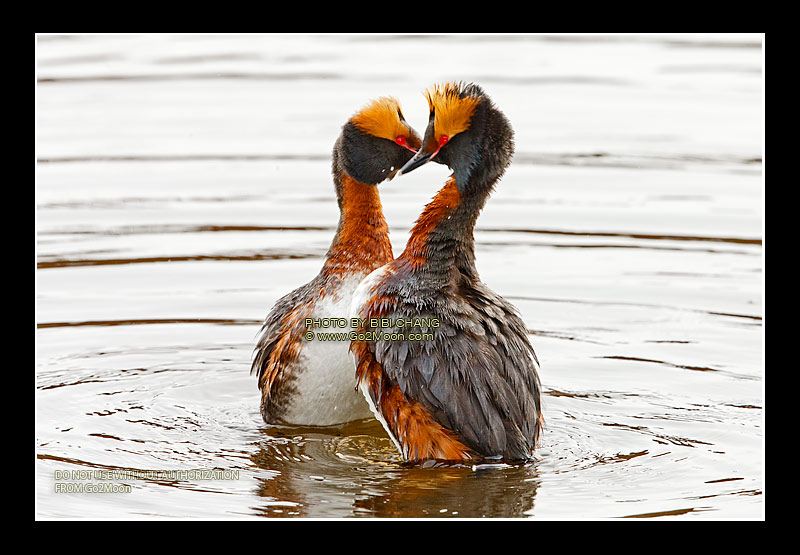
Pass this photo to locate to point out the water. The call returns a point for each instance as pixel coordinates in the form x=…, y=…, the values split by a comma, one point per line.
x=183, y=185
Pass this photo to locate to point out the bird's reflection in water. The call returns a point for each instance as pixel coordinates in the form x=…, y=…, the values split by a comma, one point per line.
x=309, y=473
x=454, y=491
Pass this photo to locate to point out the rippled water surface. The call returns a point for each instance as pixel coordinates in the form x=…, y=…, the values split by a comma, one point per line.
x=183, y=186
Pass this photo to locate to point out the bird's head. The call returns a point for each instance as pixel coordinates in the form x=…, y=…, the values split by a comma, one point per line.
x=467, y=133
x=376, y=142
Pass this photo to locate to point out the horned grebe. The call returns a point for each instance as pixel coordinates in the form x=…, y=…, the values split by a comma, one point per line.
x=312, y=382
x=473, y=390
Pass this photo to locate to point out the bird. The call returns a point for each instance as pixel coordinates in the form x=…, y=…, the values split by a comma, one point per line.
x=307, y=382
x=464, y=385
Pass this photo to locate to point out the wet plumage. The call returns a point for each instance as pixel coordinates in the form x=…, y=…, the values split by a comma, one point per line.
x=472, y=391
x=307, y=382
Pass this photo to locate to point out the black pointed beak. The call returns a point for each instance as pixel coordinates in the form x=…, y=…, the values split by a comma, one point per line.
x=419, y=159
x=427, y=151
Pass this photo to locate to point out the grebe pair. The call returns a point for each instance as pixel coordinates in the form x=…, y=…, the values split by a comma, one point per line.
x=470, y=392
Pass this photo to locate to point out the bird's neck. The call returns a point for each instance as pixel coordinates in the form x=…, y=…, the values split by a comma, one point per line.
x=442, y=243
x=361, y=243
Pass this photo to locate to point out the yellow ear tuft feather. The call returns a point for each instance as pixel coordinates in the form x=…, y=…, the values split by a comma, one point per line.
x=452, y=109
x=381, y=118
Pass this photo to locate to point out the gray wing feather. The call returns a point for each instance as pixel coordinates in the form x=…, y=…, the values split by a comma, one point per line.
x=273, y=327
x=478, y=376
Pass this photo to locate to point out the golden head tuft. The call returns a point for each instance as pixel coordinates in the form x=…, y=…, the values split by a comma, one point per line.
x=382, y=118
x=453, y=105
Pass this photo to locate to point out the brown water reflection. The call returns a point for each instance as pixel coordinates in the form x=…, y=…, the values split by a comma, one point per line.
x=376, y=483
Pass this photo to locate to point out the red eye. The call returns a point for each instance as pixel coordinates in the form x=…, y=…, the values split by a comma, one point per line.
x=443, y=140
x=400, y=140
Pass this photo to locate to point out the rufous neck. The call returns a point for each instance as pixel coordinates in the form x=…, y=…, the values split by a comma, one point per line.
x=361, y=243
x=442, y=241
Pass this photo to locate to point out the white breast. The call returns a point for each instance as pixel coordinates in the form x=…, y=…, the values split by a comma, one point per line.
x=364, y=291
x=325, y=377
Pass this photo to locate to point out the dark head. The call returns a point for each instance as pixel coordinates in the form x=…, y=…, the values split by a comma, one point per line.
x=467, y=133
x=375, y=142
